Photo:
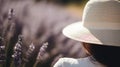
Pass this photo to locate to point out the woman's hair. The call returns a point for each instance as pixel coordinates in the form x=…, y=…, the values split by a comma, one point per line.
x=107, y=55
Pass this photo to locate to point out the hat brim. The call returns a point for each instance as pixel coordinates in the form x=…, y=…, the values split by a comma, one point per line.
x=78, y=32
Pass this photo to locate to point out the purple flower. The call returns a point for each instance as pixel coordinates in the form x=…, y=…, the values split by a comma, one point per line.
x=10, y=13
x=17, y=56
x=42, y=50
x=29, y=52
x=31, y=48
x=2, y=51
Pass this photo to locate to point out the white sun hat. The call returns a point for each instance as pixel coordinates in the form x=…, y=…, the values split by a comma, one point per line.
x=100, y=24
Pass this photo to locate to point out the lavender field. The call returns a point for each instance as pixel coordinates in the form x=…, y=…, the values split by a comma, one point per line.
x=31, y=34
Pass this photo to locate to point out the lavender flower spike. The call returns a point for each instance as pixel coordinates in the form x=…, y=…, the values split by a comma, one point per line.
x=29, y=52
x=31, y=47
x=42, y=50
x=10, y=13
x=17, y=56
x=2, y=51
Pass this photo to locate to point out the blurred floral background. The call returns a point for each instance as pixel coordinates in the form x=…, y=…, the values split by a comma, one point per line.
x=31, y=32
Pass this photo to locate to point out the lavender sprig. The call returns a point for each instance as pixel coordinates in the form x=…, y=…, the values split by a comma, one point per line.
x=17, y=56
x=7, y=24
x=2, y=51
x=41, y=53
x=29, y=52
x=11, y=14
x=11, y=22
x=8, y=31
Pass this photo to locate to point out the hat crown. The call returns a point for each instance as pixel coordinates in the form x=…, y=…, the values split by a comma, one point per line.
x=101, y=14
x=100, y=24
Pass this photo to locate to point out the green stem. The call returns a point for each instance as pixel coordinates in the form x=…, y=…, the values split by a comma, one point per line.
x=24, y=64
x=12, y=63
x=1, y=65
x=35, y=64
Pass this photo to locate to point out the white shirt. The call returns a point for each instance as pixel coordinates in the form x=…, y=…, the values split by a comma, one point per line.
x=82, y=62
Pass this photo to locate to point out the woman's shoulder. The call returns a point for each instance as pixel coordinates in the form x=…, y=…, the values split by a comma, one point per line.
x=71, y=62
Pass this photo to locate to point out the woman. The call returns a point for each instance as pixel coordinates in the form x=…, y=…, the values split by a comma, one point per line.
x=99, y=33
